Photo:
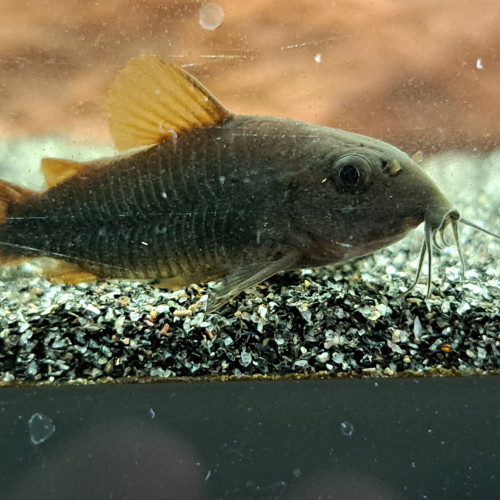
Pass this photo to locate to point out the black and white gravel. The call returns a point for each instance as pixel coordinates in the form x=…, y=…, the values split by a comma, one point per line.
x=340, y=320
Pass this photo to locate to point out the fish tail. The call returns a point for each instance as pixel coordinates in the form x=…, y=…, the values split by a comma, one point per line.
x=11, y=253
x=10, y=194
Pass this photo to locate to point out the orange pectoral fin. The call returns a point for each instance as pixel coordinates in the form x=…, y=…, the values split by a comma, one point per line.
x=172, y=283
x=72, y=278
x=12, y=260
x=65, y=273
x=177, y=282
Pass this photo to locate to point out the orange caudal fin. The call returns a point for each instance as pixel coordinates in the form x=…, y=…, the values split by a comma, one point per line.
x=11, y=194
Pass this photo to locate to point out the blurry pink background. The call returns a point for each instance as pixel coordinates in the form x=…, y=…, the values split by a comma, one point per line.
x=421, y=74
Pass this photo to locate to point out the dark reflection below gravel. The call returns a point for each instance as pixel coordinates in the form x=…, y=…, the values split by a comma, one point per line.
x=342, y=439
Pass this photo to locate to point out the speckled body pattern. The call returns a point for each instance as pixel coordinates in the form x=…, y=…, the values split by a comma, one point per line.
x=210, y=200
x=195, y=206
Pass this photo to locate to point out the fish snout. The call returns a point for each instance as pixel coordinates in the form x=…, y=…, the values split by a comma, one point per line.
x=450, y=218
x=439, y=211
x=438, y=216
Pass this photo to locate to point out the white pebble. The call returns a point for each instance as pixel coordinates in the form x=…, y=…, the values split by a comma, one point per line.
x=417, y=328
x=323, y=357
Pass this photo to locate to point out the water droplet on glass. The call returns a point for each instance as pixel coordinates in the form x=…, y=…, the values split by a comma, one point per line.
x=317, y=58
x=41, y=428
x=346, y=428
x=211, y=16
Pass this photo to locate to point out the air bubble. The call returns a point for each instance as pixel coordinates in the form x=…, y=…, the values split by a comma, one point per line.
x=346, y=428
x=41, y=428
x=211, y=16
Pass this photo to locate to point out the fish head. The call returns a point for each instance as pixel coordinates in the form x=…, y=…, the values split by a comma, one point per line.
x=360, y=194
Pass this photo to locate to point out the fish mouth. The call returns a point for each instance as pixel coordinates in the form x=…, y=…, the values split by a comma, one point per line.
x=435, y=236
x=451, y=218
x=434, y=231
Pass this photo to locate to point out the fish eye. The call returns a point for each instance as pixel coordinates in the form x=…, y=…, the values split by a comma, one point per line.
x=351, y=174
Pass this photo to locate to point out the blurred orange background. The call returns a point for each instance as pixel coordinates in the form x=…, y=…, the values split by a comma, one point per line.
x=421, y=75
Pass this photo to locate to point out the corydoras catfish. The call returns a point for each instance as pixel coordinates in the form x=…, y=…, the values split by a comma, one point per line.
x=203, y=194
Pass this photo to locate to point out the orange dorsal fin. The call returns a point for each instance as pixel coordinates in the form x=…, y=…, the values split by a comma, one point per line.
x=151, y=100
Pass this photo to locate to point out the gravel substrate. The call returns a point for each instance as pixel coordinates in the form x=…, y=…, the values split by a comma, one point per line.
x=340, y=320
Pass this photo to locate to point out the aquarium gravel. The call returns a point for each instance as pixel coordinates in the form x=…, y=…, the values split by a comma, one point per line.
x=343, y=320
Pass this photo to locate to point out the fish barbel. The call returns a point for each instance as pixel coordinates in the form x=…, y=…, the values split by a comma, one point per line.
x=203, y=194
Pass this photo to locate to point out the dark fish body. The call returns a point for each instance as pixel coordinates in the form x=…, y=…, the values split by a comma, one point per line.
x=196, y=206
x=211, y=194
